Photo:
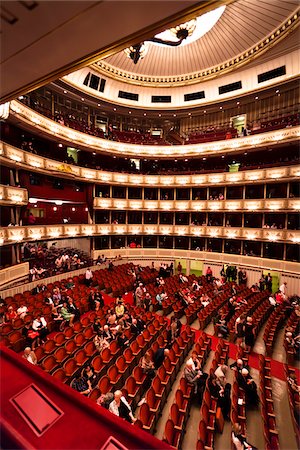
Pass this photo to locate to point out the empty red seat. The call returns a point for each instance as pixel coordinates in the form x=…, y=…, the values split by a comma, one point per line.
x=98, y=364
x=80, y=357
x=70, y=346
x=147, y=418
x=70, y=367
x=49, y=363
x=104, y=385
x=60, y=354
x=59, y=374
x=171, y=435
x=114, y=376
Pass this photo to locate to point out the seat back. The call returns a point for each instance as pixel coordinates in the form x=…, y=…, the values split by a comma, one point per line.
x=130, y=385
x=60, y=354
x=97, y=363
x=49, y=363
x=49, y=346
x=104, y=385
x=169, y=432
x=174, y=414
x=70, y=346
x=59, y=338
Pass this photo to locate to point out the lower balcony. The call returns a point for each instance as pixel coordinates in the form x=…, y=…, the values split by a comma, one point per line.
x=16, y=234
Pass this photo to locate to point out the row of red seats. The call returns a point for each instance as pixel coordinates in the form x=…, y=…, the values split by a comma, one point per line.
x=292, y=325
x=179, y=411
x=274, y=324
x=294, y=401
x=253, y=302
x=267, y=405
x=206, y=314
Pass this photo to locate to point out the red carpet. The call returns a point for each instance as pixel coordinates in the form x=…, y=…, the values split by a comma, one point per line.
x=128, y=298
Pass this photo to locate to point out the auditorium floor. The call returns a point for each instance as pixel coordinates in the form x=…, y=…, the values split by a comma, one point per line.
x=254, y=417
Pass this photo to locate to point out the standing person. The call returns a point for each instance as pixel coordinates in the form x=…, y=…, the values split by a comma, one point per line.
x=249, y=334
x=179, y=268
x=240, y=329
x=268, y=281
x=88, y=277
x=283, y=289
x=139, y=295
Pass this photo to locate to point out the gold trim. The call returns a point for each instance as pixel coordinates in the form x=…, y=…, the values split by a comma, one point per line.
x=186, y=14
x=286, y=27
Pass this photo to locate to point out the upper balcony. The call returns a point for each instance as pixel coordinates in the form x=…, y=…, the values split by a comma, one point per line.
x=31, y=119
x=16, y=157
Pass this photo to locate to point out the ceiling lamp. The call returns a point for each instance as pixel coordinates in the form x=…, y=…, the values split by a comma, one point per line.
x=136, y=52
x=181, y=32
x=184, y=30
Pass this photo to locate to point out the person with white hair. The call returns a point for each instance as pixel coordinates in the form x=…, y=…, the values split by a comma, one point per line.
x=220, y=373
x=121, y=408
x=246, y=382
x=30, y=356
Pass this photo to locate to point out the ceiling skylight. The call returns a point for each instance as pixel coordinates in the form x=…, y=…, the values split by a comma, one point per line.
x=204, y=24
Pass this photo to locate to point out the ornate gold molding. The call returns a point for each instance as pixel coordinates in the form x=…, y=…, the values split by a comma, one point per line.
x=92, y=143
x=238, y=61
x=12, y=235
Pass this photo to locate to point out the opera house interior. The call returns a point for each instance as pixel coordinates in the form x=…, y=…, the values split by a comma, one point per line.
x=149, y=225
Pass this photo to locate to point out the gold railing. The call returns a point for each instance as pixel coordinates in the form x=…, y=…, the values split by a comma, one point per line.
x=291, y=204
x=20, y=158
x=68, y=135
x=10, y=235
x=11, y=195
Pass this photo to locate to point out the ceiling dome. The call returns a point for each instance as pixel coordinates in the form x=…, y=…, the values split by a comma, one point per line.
x=241, y=25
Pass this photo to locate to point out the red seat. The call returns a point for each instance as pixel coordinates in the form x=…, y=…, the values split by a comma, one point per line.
x=49, y=363
x=171, y=435
x=135, y=348
x=114, y=376
x=59, y=374
x=70, y=367
x=182, y=403
x=79, y=339
x=88, y=333
x=49, y=346
x=59, y=339
x=68, y=332
x=147, y=418
x=153, y=401
x=177, y=417
x=139, y=375
x=70, y=346
x=104, y=385
x=106, y=355
x=133, y=391
x=39, y=353
x=90, y=348
x=80, y=357
x=98, y=364
x=60, y=354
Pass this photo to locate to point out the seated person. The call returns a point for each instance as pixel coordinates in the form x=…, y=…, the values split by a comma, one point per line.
x=122, y=339
x=246, y=382
x=66, y=315
x=39, y=324
x=72, y=308
x=22, y=311
x=195, y=377
x=239, y=440
x=195, y=361
x=88, y=374
x=81, y=385
x=221, y=393
x=238, y=365
x=121, y=408
x=119, y=309
x=100, y=341
x=30, y=356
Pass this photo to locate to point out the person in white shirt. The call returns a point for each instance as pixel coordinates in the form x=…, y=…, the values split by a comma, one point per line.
x=39, y=324
x=22, y=311
x=30, y=356
x=88, y=276
x=283, y=289
x=121, y=408
x=272, y=301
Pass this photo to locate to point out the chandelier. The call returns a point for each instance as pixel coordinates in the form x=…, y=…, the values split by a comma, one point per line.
x=180, y=32
x=184, y=30
x=136, y=52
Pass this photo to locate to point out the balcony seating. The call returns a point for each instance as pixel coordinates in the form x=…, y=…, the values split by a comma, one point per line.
x=274, y=324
